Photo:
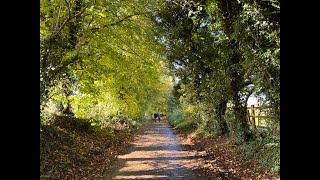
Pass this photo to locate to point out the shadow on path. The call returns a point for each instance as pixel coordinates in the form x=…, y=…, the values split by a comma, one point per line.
x=156, y=154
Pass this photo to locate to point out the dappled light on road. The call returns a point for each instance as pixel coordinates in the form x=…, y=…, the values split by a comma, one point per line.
x=157, y=154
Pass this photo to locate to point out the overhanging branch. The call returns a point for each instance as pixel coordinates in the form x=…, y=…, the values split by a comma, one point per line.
x=116, y=23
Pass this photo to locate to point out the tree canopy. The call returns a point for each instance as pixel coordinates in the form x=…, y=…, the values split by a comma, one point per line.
x=101, y=58
x=198, y=61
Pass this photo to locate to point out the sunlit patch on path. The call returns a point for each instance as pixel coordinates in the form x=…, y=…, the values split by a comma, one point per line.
x=157, y=154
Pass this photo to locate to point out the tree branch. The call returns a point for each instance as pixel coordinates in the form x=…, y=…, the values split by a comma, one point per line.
x=68, y=5
x=68, y=19
x=116, y=23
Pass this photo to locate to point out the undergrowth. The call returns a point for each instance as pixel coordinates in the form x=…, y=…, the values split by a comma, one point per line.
x=264, y=151
x=71, y=148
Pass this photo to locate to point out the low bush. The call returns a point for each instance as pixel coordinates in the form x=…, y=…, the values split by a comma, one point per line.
x=266, y=152
x=186, y=125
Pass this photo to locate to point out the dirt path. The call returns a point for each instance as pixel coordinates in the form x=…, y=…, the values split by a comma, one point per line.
x=156, y=154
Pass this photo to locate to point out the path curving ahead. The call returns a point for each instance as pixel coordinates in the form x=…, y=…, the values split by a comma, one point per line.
x=157, y=153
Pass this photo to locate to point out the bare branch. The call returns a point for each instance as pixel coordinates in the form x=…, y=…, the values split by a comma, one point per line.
x=70, y=18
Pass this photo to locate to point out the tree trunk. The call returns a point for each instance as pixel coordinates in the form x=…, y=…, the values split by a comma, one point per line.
x=68, y=92
x=220, y=112
x=229, y=10
x=239, y=109
x=73, y=31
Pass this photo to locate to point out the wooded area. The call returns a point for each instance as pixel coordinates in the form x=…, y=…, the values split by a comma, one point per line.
x=107, y=64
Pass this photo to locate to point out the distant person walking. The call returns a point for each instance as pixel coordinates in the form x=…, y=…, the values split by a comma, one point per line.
x=159, y=117
x=155, y=115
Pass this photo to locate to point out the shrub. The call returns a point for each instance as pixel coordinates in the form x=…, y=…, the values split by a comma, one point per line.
x=175, y=118
x=187, y=125
x=266, y=152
